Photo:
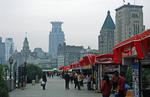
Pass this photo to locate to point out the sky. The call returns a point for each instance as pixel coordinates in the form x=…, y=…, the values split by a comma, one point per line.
x=82, y=19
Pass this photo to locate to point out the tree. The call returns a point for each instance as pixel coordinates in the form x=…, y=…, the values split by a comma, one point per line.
x=3, y=83
x=32, y=72
x=129, y=76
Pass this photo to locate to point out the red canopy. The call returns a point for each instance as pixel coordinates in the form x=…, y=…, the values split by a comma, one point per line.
x=82, y=62
x=108, y=58
x=92, y=58
x=138, y=45
x=68, y=67
x=61, y=68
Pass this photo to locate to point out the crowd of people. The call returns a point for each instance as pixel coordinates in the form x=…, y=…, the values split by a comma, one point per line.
x=116, y=84
x=76, y=77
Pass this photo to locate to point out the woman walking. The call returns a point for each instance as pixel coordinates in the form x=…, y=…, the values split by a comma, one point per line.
x=44, y=80
x=106, y=86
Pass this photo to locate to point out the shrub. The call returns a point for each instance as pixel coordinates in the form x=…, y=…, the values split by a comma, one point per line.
x=32, y=72
x=3, y=84
x=129, y=76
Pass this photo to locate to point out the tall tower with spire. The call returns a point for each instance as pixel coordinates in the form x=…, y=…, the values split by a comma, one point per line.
x=25, y=49
x=106, y=37
x=56, y=38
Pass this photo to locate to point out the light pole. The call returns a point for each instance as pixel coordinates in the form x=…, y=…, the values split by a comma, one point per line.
x=10, y=62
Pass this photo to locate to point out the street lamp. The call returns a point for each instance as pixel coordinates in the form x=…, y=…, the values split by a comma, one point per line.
x=10, y=62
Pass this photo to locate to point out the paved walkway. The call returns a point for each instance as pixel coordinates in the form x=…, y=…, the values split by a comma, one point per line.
x=54, y=88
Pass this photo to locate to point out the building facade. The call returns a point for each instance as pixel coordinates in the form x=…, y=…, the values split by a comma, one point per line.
x=2, y=51
x=37, y=57
x=89, y=51
x=129, y=22
x=9, y=48
x=69, y=54
x=106, y=37
x=56, y=37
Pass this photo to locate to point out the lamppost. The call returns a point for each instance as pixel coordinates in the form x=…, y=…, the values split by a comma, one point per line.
x=10, y=62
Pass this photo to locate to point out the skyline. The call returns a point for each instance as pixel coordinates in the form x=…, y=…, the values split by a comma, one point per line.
x=82, y=19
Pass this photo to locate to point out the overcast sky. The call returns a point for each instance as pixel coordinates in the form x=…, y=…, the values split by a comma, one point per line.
x=82, y=20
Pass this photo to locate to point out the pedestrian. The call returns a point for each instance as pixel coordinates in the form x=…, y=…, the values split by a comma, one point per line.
x=79, y=80
x=82, y=78
x=44, y=80
x=88, y=77
x=71, y=77
x=115, y=80
x=67, y=78
x=121, y=85
x=106, y=86
x=75, y=80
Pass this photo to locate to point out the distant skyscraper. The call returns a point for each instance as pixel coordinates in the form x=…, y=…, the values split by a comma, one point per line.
x=9, y=48
x=106, y=37
x=56, y=38
x=129, y=22
x=2, y=51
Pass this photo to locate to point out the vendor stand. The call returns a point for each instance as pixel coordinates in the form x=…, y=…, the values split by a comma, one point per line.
x=135, y=52
x=105, y=65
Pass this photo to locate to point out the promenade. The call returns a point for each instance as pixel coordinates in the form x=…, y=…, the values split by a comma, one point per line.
x=54, y=88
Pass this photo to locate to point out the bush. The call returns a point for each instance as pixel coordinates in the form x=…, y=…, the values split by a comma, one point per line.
x=3, y=84
x=32, y=72
x=129, y=76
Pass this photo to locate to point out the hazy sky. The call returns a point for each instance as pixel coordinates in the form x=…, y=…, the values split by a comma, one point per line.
x=82, y=20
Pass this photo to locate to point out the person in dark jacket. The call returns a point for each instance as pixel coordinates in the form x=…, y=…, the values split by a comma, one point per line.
x=106, y=86
x=115, y=80
x=121, y=86
x=44, y=79
x=75, y=80
x=67, y=78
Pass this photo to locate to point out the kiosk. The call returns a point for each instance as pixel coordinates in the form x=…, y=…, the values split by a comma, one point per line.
x=135, y=52
x=105, y=64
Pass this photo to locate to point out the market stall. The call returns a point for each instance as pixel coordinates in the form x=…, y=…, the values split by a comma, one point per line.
x=135, y=52
x=105, y=64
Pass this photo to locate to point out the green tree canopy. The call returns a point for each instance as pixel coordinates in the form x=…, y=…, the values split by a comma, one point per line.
x=32, y=72
x=3, y=84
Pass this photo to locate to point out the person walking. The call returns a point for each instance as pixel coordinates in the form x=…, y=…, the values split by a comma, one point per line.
x=88, y=77
x=121, y=86
x=75, y=80
x=44, y=80
x=79, y=80
x=106, y=86
x=67, y=78
x=115, y=80
x=71, y=77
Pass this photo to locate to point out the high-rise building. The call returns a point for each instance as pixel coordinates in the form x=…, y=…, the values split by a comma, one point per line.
x=68, y=54
x=2, y=51
x=106, y=37
x=9, y=48
x=129, y=22
x=56, y=37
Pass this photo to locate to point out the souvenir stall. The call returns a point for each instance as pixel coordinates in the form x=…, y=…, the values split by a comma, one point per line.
x=135, y=52
x=105, y=64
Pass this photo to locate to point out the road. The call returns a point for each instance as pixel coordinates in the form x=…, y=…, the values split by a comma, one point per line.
x=55, y=88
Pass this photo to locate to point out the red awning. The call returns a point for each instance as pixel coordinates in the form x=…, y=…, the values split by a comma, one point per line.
x=105, y=58
x=92, y=59
x=68, y=67
x=61, y=68
x=137, y=45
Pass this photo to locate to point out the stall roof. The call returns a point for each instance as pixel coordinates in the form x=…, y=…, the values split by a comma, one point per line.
x=105, y=59
x=136, y=45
